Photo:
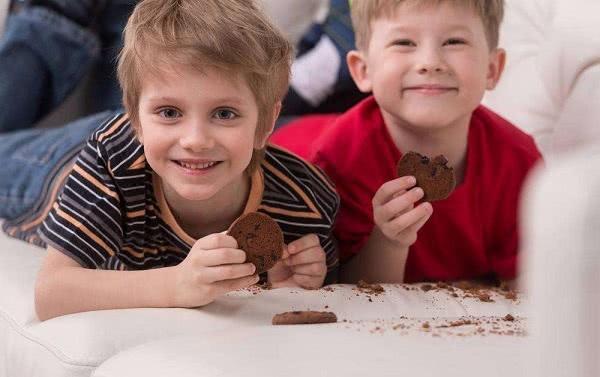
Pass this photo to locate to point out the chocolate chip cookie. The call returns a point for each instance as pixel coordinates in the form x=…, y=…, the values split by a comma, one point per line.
x=435, y=177
x=260, y=237
x=305, y=317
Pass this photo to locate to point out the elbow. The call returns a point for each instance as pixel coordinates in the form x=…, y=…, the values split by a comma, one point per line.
x=42, y=298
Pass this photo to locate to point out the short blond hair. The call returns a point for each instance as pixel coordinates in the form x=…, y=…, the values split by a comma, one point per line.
x=230, y=35
x=364, y=12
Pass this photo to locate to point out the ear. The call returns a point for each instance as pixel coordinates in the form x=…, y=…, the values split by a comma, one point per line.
x=261, y=140
x=357, y=65
x=495, y=67
x=137, y=128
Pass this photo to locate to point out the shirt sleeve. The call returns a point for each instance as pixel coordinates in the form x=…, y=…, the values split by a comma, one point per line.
x=85, y=221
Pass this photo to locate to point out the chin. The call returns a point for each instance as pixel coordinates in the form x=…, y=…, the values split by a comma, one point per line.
x=196, y=195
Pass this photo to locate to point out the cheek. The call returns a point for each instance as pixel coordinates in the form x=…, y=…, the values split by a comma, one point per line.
x=472, y=69
x=155, y=144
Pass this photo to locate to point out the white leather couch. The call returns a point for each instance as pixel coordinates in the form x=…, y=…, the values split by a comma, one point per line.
x=551, y=89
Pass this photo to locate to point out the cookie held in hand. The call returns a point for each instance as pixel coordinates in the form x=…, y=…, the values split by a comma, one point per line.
x=305, y=317
x=435, y=177
x=260, y=237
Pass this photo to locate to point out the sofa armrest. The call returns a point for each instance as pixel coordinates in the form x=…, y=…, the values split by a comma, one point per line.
x=562, y=266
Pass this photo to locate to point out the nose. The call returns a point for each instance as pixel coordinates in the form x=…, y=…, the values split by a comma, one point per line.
x=197, y=137
x=431, y=61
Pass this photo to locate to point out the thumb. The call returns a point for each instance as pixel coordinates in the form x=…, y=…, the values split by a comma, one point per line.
x=216, y=241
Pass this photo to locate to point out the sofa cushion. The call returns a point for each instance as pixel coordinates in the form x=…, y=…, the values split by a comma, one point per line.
x=323, y=350
x=74, y=345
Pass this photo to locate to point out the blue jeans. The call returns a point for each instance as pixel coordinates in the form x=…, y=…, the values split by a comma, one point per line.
x=30, y=159
x=44, y=56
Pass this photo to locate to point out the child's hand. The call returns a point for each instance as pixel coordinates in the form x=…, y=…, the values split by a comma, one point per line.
x=213, y=267
x=303, y=265
x=394, y=212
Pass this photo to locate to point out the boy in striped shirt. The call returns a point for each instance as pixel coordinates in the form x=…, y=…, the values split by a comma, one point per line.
x=142, y=209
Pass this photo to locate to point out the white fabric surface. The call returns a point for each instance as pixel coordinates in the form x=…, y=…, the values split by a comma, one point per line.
x=75, y=345
x=323, y=350
x=315, y=73
x=551, y=84
x=562, y=244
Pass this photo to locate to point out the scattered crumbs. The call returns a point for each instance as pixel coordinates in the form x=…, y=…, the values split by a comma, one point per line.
x=509, y=318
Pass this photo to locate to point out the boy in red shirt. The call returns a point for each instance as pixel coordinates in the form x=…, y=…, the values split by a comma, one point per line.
x=427, y=64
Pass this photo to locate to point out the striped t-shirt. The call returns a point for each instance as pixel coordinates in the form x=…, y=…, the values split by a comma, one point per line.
x=112, y=214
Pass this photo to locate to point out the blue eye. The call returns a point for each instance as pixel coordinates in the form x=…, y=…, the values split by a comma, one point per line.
x=225, y=114
x=169, y=113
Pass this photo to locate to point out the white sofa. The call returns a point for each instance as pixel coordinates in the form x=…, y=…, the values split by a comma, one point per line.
x=562, y=267
x=551, y=85
x=552, y=89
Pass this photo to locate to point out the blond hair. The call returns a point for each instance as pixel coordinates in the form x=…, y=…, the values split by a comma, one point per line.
x=230, y=35
x=364, y=12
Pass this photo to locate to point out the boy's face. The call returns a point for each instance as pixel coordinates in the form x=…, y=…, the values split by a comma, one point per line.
x=198, y=130
x=427, y=65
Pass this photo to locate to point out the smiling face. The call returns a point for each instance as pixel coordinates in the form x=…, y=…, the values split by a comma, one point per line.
x=428, y=65
x=198, y=131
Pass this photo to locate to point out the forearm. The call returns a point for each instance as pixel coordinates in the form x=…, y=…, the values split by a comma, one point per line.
x=380, y=260
x=74, y=289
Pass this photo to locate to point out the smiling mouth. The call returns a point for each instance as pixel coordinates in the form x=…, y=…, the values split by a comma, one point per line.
x=197, y=166
x=430, y=89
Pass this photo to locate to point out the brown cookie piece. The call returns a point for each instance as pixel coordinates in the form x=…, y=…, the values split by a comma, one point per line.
x=260, y=237
x=435, y=177
x=305, y=317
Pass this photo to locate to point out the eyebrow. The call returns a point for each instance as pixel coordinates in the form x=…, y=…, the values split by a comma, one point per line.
x=407, y=29
x=232, y=100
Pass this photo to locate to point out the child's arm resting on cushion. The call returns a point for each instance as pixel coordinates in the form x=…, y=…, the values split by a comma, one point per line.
x=213, y=267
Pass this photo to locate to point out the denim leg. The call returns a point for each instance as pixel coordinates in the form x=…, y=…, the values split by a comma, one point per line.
x=30, y=158
x=43, y=56
x=106, y=93
x=81, y=11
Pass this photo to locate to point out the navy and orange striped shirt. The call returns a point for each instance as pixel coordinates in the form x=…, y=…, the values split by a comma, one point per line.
x=112, y=214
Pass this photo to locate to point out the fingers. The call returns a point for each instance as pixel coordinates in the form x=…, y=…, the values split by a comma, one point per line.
x=398, y=205
x=311, y=269
x=411, y=221
x=306, y=242
x=217, y=257
x=225, y=286
x=312, y=255
x=309, y=282
x=227, y=272
x=216, y=241
x=391, y=188
x=419, y=224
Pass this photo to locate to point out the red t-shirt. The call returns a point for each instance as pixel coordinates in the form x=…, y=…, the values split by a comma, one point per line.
x=471, y=234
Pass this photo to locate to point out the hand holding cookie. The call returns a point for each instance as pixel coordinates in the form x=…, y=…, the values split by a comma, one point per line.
x=214, y=266
x=303, y=265
x=394, y=211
